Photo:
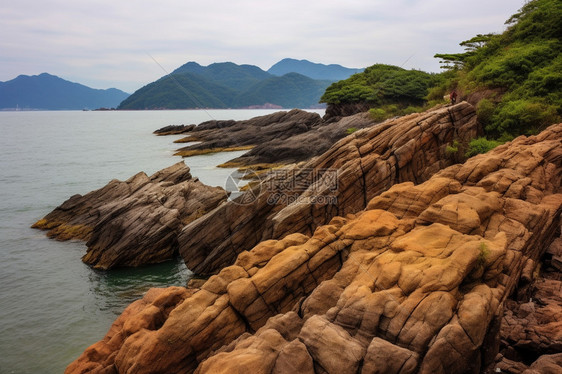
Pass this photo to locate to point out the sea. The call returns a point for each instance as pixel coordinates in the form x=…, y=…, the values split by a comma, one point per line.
x=52, y=306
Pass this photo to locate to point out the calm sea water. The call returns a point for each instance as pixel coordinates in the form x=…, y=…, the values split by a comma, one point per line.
x=52, y=306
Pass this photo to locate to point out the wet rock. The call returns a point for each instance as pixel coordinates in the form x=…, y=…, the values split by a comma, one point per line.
x=134, y=222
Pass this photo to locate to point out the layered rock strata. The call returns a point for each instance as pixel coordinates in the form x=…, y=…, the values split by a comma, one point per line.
x=134, y=222
x=416, y=282
x=278, y=138
x=340, y=181
x=217, y=135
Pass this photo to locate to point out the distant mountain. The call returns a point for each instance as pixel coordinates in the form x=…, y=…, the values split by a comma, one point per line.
x=49, y=92
x=226, y=85
x=228, y=74
x=312, y=70
x=180, y=91
x=292, y=90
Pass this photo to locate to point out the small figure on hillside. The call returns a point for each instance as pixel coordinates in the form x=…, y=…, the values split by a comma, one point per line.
x=453, y=97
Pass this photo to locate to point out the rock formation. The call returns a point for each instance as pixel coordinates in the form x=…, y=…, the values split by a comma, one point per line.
x=346, y=109
x=134, y=222
x=416, y=282
x=278, y=138
x=531, y=329
x=174, y=129
x=340, y=181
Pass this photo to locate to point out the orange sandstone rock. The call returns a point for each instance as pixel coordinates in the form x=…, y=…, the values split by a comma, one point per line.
x=422, y=274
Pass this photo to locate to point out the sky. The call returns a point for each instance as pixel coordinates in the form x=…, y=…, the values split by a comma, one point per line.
x=127, y=44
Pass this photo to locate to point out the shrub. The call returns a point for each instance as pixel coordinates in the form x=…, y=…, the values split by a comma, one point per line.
x=351, y=130
x=452, y=148
x=381, y=84
x=484, y=111
x=378, y=114
x=412, y=109
x=521, y=117
x=480, y=145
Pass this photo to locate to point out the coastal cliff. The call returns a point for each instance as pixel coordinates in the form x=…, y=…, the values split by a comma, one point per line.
x=345, y=177
x=421, y=275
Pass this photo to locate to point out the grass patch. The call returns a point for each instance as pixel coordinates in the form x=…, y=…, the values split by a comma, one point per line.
x=481, y=145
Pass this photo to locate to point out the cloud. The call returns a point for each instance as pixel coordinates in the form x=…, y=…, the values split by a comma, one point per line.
x=106, y=43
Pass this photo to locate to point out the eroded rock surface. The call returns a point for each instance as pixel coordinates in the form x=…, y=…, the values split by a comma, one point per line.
x=416, y=282
x=340, y=181
x=134, y=222
x=278, y=138
x=218, y=134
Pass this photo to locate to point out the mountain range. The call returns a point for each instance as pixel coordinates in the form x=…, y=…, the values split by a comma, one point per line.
x=287, y=84
x=49, y=92
x=312, y=70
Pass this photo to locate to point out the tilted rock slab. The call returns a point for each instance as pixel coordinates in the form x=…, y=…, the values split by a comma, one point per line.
x=368, y=162
x=218, y=134
x=277, y=138
x=414, y=283
x=135, y=222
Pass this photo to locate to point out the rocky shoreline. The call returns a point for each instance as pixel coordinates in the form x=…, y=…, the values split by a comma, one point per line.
x=416, y=264
x=278, y=138
x=116, y=219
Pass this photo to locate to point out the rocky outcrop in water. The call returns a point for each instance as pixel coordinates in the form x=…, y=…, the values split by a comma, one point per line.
x=134, y=222
x=174, y=130
x=340, y=181
x=278, y=138
x=416, y=282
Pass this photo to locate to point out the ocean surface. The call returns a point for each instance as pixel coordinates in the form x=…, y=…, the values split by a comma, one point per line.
x=52, y=306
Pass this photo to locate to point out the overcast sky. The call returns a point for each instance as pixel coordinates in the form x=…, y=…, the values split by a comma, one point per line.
x=108, y=43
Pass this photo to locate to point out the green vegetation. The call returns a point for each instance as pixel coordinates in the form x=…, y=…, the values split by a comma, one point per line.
x=483, y=254
x=383, y=112
x=390, y=90
x=481, y=145
x=226, y=85
x=291, y=90
x=453, y=148
x=518, y=73
x=514, y=77
x=351, y=130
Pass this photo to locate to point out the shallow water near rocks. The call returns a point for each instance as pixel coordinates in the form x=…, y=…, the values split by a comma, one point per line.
x=52, y=306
